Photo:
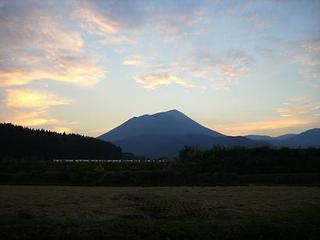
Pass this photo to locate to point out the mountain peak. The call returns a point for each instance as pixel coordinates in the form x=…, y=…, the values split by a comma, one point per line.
x=173, y=111
x=159, y=134
x=172, y=122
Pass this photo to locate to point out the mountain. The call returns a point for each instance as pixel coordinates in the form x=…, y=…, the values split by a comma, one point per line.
x=285, y=137
x=164, y=134
x=309, y=138
x=164, y=123
x=24, y=143
x=260, y=137
x=271, y=140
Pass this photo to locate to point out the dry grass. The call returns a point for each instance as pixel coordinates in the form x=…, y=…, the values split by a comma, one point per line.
x=85, y=212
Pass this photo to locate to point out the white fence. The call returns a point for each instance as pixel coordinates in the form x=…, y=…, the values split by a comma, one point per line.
x=109, y=161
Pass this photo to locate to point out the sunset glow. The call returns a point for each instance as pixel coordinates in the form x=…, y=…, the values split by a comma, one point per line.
x=239, y=67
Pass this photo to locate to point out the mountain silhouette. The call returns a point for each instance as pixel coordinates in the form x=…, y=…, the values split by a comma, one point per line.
x=164, y=134
x=309, y=138
x=171, y=122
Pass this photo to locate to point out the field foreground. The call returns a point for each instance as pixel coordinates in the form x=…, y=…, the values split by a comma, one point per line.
x=50, y=212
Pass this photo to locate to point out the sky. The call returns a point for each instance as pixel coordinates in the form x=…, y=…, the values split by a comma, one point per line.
x=237, y=67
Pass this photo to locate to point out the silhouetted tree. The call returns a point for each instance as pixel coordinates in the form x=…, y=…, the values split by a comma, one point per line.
x=23, y=143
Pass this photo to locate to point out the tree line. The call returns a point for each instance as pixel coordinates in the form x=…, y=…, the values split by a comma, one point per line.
x=25, y=156
x=18, y=142
x=239, y=160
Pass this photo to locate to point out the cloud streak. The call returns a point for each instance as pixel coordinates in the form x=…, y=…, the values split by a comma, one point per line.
x=293, y=113
x=299, y=107
x=30, y=98
x=33, y=119
x=154, y=80
x=263, y=125
x=220, y=71
x=135, y=61
x=225, y=69
x=96, y=22
x=31, y=108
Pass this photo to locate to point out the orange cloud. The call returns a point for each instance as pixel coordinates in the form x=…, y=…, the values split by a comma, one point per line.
x=299, y=107
x=135, y=61
x=35, y=47
x=96, y=22
x=152, y=81
x=218, y=71
x=28, y=98
x=292, y=113
x=32, y=119
x=82, y=75
x=254, y=127
x=169, y=29
x=230, y=72
x=312, y=46
x=40, y=120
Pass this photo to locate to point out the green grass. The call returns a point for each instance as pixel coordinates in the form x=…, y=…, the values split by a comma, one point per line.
x=37, y=212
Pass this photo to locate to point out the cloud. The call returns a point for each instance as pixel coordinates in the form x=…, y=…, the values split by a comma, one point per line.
x=61, y=129
x=118, y=39
x=30, y=98
x=40, y=119
x=153, y=80
x=308, y=57
x=121, y=22
x=170, y=30
x=31, y=107
x=263, y=125
x=299, y=107
x=312, y=46
x=32, y=119
x=81, y=75
x=135, y=61
x=96, y=22
x=38, y=42
x=113, y=16
x=231, y=65
x=292, y=113
x=35, y=46
x=220, y=71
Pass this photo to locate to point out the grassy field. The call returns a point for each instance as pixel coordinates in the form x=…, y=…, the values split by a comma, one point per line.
x=50, y=212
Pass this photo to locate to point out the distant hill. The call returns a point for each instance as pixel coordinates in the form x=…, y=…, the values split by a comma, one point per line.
x=259, y=137
x=309, y=138
x=273, y=140
x=159, y=145
x=285, y=137
x=17, y=142
x=164, y=134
